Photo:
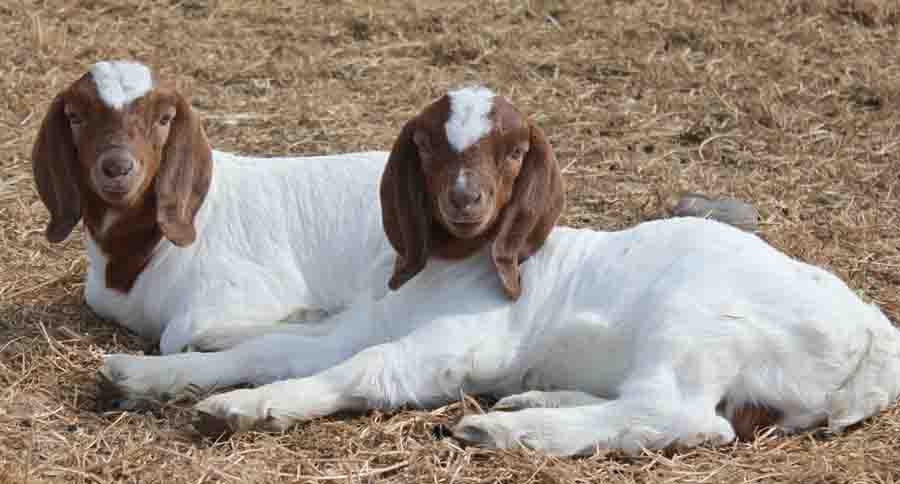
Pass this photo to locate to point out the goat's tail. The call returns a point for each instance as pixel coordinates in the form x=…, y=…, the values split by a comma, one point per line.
x=874, y=382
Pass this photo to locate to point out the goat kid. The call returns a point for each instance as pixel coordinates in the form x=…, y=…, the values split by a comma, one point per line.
x=678, y=331
x=470, y=170
x=201, y=249
x=645, y=337
x=197, y=248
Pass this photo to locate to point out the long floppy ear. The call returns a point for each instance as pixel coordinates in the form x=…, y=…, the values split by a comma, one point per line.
x=53, y=161
x=537, y=200
x=184, y=176
x=405, y=208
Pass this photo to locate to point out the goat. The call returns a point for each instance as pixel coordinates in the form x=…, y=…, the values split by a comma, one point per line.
x=467, y=171
x=676, y=331
x=191, y=247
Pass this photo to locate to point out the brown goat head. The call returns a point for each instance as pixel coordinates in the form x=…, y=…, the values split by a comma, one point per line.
x=467, y=171
x=128, y=155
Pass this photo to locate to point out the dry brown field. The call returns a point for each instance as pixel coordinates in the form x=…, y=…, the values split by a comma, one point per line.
x=789, y=104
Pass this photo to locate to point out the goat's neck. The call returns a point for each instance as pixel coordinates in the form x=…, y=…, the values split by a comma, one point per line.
x=127, y=238
x=447, y=246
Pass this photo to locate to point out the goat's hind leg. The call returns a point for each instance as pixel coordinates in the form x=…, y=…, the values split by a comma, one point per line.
x=310, y=323
x=660, y=405
x=625, y=424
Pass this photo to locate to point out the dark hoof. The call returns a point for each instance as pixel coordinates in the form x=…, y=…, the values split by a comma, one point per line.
x=111, y=398
x=441, y=431
x=212, y=426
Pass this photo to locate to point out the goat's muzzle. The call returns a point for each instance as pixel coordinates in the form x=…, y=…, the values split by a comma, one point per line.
x=116, y=175
x=466, y=206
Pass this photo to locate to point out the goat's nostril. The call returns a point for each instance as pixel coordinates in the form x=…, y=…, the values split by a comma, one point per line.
x=115, y=168
x=462, y=199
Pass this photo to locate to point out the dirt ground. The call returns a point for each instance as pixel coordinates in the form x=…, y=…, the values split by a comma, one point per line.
x=788, y=104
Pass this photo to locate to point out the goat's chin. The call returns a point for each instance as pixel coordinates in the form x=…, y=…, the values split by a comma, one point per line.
x=120, y=198
x=466, y=224
x=467, y=229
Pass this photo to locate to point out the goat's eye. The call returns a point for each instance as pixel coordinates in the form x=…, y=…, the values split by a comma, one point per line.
x=165, y=119
x=74, y=119
x=517, y=152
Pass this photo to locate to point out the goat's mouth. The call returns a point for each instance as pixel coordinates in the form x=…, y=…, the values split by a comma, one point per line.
x=467, y=222
x=116, y=189
x=116, y=192
x=466, y=227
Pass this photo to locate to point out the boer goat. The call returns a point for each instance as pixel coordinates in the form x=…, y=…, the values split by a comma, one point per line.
x=201, y=249
x=197, y=248
x=674, y=331
x=467, y=171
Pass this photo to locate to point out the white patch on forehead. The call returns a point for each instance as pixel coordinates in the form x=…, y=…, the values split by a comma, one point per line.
x=469, y=119
x=121, y=82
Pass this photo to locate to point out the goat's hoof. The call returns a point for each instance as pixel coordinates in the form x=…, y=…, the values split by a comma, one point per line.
x=111, y=396
x=216, y=417
x=473, y=435
x=483, y=431
x=212, y=426
x=726, y=210
x=235, y=411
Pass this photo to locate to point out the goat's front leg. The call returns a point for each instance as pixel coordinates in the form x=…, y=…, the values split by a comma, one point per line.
x=132, y=381
x=428, y=367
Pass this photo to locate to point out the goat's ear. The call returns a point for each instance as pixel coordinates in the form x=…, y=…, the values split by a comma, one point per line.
x=405, y=208
x=537, y=200
x=54, y=163
x=184, y=176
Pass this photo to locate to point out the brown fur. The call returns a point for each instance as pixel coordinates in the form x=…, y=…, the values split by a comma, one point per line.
x=749, y=419
x=54, y=169
x=525, y=192
x=175, y=166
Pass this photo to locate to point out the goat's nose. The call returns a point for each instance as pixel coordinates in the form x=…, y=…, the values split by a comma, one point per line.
x=116, y=167
x=464, y=197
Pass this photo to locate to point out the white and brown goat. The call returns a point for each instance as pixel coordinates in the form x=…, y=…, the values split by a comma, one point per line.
x=198, y=248
x=469, y=171
x=204, y=249
x=675, y=331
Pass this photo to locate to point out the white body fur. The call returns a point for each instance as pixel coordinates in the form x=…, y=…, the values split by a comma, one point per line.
x=469, y=121
x=121, y=82
x=639, y=334
x=278, y=238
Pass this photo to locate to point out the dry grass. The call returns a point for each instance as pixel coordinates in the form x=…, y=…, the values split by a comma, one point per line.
x=788, y=104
